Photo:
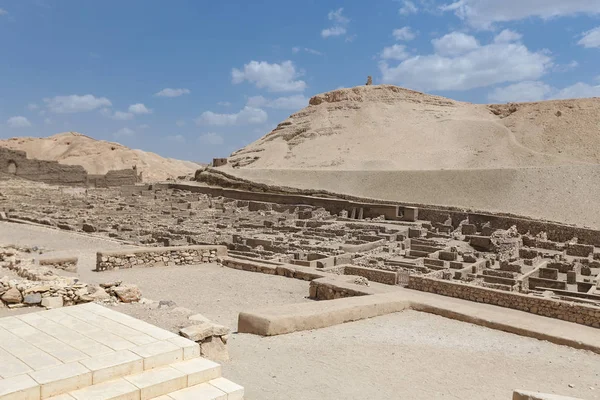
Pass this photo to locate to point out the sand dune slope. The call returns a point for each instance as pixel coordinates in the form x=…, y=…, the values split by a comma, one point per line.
x=98, y=156
x=390, y=128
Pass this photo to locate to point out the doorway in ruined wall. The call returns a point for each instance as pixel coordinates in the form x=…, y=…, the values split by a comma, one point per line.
x=12, y=167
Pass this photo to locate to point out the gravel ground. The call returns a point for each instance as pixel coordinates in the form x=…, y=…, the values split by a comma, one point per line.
x=408, y=355
x=219, y=293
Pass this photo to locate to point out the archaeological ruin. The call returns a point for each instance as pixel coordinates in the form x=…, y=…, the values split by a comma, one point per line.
x=360, y=258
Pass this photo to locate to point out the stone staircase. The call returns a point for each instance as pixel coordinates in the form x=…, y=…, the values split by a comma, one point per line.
x=89, y=352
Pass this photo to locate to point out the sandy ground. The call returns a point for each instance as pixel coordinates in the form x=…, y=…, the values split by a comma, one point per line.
x=564, y=194
x=408, y=355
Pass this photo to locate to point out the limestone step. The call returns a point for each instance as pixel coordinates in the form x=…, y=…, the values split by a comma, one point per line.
x=216, y=389
x=152, y=383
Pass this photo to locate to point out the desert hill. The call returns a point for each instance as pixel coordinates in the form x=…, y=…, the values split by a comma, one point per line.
x=99, y=156
x=390, y=128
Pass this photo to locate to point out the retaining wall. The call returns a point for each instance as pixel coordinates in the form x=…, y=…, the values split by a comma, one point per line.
x=573, y=312
x=158, y=256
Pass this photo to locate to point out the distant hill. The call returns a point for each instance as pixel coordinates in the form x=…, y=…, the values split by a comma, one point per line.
x=390, y=128
x=99, y=156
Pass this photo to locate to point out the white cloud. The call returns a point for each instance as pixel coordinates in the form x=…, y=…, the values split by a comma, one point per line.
x=521, y=92
x=394, y=52
x=507, y=36
x=590, y=38
x=211, y=138
x=294, y=102
x=176, y=138
x=578, y=90
x=340, y=22
x=32, y=106
x=143, y=127
x=124, y=132
x=408, y=8
x=536, y=91
x=224, y=104
x=405, y=34
x=180, y=123
x=122, y=116
x=337, y=17
x=483, y=13
x=246, y=116
x=18, y=122
x=74, y=103
x=333, y=31
x=168, y=92
x=3, y=11
x=139, y=108
x=296, y=50
x=454, y=44
x=273, y=77
x=256, y=101
x=565, y=67
x=456, y=67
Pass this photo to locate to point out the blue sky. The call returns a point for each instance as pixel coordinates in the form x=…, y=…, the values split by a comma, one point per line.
x=197, y=79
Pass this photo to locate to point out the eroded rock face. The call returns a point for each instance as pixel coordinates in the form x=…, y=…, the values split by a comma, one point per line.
x=214, y=349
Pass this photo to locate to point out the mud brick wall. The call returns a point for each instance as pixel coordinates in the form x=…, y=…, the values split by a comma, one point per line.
x=374, y=275
x=158, y=256
x=573, y=312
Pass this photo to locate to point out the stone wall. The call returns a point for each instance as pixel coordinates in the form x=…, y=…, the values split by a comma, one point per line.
x=15, y=162
x=372, y=274
x=66, y=264
x=158, y=256
x=392, y=211
x=568, y=311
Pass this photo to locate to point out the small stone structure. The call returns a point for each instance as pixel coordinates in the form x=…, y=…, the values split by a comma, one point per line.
x=211, y=337
x=158, y=256
x=369, y=80
x=218, y=162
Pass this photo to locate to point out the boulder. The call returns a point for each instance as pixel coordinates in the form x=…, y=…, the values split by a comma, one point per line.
x=89, y=228
x=128, y=293
x=98, y=294
x=12, y=296
x=214, y=349
x=32, y=298
x=52, y=302
x=198, y=318
x=199, y=332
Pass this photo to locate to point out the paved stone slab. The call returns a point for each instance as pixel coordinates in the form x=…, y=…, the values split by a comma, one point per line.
x=118, y=389
x=159, y=381
x=233, y=390
x=199, y=370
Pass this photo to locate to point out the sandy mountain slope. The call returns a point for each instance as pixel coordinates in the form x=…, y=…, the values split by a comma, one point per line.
x=99, y=156
x=390, y=128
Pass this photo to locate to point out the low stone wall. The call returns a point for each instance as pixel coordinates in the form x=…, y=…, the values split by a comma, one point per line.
x=68, y=264
x=372, y=274
x=158, y=256
x=573, y=312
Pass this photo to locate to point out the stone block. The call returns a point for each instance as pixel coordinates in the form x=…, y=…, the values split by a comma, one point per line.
x=62, y=379
x=204, y=391
x=199, y=370
x=116, y=389
x=12, y=296
x=233, y=390
x=157, y=382
x=21, y=387
x=52, y=302
x=214, y=349
x=202, y=331
x=158, y=354
x=114, y=365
